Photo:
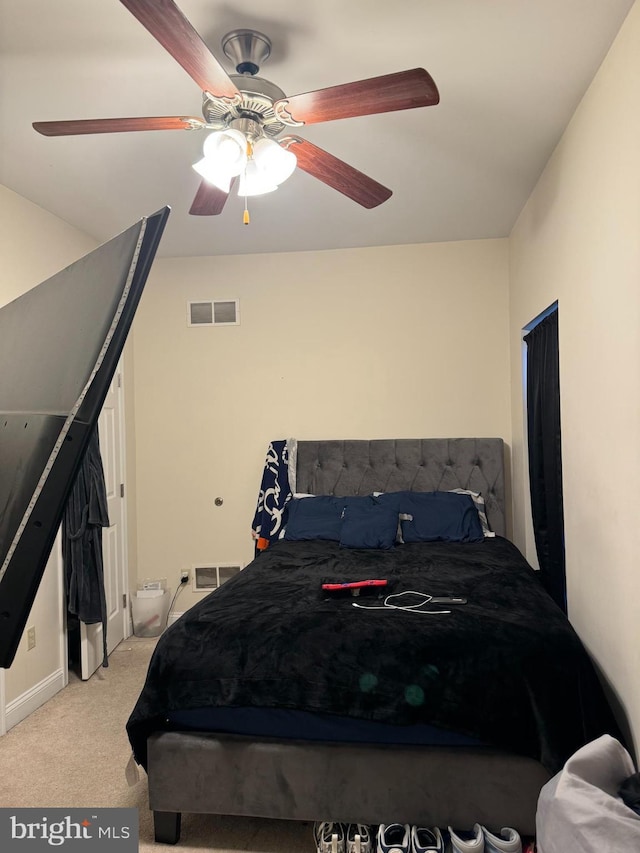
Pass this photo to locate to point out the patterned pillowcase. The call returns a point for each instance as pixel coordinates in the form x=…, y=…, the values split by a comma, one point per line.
x=478, y=500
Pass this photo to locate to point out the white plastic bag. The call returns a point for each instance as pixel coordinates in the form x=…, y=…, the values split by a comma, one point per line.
x=579, y=810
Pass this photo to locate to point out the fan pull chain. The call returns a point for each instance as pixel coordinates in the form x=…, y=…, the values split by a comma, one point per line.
x=246, y=219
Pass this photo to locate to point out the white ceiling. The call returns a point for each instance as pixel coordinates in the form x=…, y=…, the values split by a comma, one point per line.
x=510, y=75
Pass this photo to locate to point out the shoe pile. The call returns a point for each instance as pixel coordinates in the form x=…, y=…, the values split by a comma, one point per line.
x=402, y=838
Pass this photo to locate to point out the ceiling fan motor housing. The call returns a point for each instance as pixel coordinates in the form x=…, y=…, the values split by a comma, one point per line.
x=258, y=97
x=247, y=49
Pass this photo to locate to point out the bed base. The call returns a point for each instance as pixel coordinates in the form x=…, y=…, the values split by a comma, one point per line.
x=199, y=772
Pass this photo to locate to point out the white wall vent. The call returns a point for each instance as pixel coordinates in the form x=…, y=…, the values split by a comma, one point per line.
x=222, y=312
x=208, y=578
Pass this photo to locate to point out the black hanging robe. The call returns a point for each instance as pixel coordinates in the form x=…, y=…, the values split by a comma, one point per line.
x=84, y=517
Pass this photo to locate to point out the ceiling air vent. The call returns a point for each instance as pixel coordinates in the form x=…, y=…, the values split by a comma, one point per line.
x=217, y=313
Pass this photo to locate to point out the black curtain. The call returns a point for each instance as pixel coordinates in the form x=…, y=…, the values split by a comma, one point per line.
x=545, y=459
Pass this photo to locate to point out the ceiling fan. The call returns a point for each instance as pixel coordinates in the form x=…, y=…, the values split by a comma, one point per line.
x=247, y=114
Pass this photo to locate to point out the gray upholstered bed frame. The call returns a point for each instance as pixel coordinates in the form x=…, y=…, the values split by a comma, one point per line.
x=419, y=465
x=304, y=780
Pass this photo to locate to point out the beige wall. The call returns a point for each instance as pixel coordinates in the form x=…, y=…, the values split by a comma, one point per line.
x=33, y=246
x=578, y=241
x=405, y=341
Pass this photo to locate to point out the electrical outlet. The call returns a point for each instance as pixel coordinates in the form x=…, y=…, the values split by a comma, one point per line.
x=184, y=576
x=31, y=638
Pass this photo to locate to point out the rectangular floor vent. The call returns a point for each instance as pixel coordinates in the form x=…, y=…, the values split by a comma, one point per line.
x=215, y=313
x=208, y=578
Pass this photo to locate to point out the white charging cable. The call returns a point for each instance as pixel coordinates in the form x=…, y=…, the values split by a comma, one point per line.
x=408, y=608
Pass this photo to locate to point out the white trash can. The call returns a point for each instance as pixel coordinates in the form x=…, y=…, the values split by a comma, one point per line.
x=149, y=611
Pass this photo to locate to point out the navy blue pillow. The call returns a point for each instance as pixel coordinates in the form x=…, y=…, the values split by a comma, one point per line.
x=314, y=518
x=366, y=523
x=436, y=516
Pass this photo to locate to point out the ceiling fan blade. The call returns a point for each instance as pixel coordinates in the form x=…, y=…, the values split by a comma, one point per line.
x=401, y=91
x=116, y=125
x=168, y=25
x=336, y=173
x=210, y=200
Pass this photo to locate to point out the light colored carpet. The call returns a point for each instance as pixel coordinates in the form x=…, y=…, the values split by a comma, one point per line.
x=73, y=751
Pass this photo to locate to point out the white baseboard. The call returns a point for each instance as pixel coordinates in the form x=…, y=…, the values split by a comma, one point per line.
x=33, y=698
x=172, y=617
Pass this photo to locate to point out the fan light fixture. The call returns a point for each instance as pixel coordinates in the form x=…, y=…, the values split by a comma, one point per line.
x=262, y=165
x=225, y=156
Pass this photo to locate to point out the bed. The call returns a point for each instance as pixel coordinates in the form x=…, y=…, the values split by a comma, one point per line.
x=270, y=698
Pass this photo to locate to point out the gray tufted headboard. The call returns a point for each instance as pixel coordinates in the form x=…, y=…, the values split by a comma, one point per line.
x=359, y=467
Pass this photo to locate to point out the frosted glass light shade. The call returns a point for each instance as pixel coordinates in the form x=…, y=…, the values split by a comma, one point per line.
x=228, y=148
x=212, y=173
x=255, y=181
x=225, y=156
x=277, y=162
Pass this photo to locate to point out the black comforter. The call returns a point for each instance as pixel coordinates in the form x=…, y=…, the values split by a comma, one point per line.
x=506, y=668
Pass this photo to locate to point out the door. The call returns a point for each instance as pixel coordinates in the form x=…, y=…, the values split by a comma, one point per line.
x=111, y=431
